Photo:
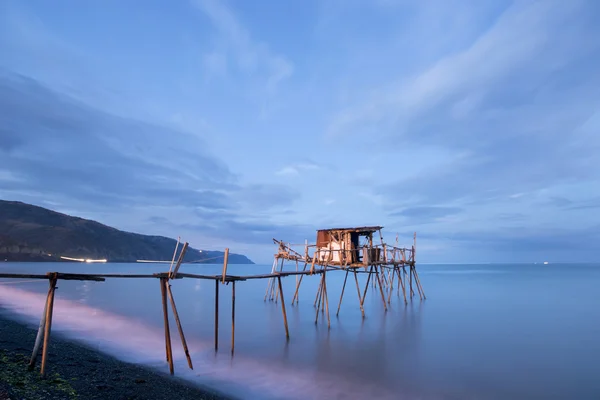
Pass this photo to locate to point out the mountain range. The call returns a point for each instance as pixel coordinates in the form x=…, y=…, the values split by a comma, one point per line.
x=32, y=233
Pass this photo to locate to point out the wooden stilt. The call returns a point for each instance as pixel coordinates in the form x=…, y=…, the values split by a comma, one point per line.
x=285, y=322
x=318, y=297
x=232, y=316
x=169, y=350
x=342, y=295
x=48, y=325
x=380, y=288
x=216, y=314
x=410, y=270
x=326, y=299
x=270, y=281
x=402, y=284
x=178, y=322
x=419, y=279
x=366, y=287
x=419, y=286
x=298, y=285
x=362, y=310
x=40, y=334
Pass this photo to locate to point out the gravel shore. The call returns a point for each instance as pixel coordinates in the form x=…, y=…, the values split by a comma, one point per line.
x=78, y=372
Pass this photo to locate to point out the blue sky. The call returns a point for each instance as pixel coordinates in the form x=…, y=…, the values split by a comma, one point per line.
x=474, y=123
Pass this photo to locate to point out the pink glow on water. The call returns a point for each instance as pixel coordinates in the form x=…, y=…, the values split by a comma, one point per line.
x=134, y=341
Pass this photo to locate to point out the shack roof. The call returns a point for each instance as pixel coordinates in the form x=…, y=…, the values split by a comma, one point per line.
x=360, y=229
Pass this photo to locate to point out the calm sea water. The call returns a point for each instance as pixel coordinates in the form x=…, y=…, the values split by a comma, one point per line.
x=484, y=332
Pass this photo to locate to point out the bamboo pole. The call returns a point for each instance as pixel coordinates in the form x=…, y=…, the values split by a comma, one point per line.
x=40, y=333
x=48, y=325
x=225, y=261
x=326, y=299
x=178, y=322
x=366, y=287
x=216, y=314
x=270, y=283
x=419, y=281
x=380, y=288
x=232, y=317
x=342, y=295
x=362, y=310
x=296, y=297
x=169, y=350
x=402, y=284
x=285, y=321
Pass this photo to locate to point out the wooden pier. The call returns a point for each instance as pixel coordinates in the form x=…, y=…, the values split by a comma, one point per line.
x=335, y=250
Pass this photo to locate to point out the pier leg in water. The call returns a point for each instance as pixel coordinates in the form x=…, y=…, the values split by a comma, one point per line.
x=48, y=326
x=298, y=285
x=163, y=283
x=285, y=322
x=362, y=310
x=410, y=271
x=402, y=284
x=40, y=333
x=419, y=286
x=179, y=327
x=232, y=317
x=362, y=302
x=342, y=295
x=216, y=314
x=380, y=288
x=326, y=298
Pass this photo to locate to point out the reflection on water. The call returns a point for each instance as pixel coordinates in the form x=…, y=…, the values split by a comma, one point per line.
x=485, y=332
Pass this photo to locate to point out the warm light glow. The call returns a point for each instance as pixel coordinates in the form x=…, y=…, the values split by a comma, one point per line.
x=86, y=260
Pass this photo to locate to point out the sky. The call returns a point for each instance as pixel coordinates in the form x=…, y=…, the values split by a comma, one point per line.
x=473, y=123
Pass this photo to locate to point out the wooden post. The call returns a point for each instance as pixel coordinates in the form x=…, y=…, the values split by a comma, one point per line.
x=40, y=333
x=216, y=314
x=285, y=322
x=326, y=297
x=380, y=288
x=232, y=317
x=163, y=283
x=402, y=284
x=362, y=310
x=48, y=326
x=225, y=261
x=174, y=254
x=179, y=260
x=366, y=287
x=296, y=297
x=178, y=322
x=342, y=295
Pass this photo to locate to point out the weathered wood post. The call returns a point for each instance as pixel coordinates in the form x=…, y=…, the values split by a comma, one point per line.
x=285, y=322
x=169, y=350
x=216, y=314
x=179, y=327
x=48, y=325
x=40, y=333
x=232, y=316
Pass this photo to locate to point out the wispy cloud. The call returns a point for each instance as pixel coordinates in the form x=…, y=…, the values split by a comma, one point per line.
x=297, y=169
x=236, y=48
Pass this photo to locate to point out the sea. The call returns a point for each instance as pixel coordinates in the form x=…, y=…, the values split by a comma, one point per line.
x=493, y=331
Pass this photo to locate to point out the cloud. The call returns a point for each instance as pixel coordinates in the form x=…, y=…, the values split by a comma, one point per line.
x=65, y=149
x=297, y=169
x=236, y=47
x=425, y=214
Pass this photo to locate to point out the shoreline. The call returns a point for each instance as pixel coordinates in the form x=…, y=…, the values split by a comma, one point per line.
x=76, y=371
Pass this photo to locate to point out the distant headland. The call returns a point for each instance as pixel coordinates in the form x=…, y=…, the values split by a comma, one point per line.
x=32, y=233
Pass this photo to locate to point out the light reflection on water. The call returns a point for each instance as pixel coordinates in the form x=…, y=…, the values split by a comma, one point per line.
x=485, y=332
